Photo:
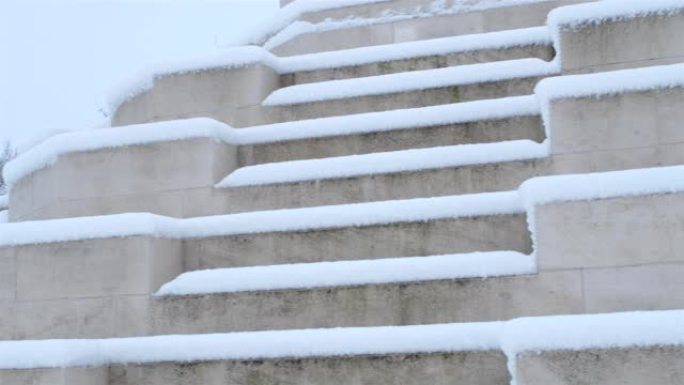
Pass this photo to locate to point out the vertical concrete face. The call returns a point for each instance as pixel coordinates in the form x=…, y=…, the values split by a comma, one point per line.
x=461, y=368
x=60, y=376
x=625, y=43
x=157, y=178
x=218, y=93
x=94, y=288
x=630, y=130
x=614, y=232
x=628, y=366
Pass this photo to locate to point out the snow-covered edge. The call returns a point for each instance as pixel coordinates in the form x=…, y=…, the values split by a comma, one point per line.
x=47, y=152
x=385, y=162
x=350, y=273
x=515, y=337
x=411, y=81
x=302, y=219
x=605, y=11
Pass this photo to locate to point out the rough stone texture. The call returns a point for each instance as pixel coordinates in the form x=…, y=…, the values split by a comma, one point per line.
x=629, y=366
x=502, y=232
x=629, y=43
x=465, y=300
x=460, y=368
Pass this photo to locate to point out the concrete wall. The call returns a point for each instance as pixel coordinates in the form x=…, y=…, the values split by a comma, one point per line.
x=92, y=288
x=629, y=366
x=229, y=95
x=68, y=376
x=622, y=43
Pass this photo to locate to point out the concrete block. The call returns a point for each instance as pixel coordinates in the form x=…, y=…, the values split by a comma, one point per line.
x=58, y=376
x=613, y=232
x=465, y=300
x=622, y=43
x=630, y=366
x=502, y=232
x=472, y=368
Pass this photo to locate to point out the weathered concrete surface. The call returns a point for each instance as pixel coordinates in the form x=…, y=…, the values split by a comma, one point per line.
x=157, y=177
x=399, y=100
x=222, y=93
x=624, y=43
x=544, y=52
x=445, y=301
x=628, y=366
x=488, y=20
x=90, y=288
x=614, y=232
x=461, y=368
x=68, y=376
x=503, y=176
x=481, y=131
x=486, y=233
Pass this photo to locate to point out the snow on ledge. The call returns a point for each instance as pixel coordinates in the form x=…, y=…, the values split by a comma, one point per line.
x=302, y=219
x=350, y=273
x=47, y=152
x=534, y=334
x=411, y=81
x=593, y=13
x=602, y=185
x=385, y=162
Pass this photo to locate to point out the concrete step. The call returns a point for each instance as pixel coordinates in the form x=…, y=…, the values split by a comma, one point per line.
x=438, y=20
x=482, y=121
x=406, y=90
x=438, y=171
x=419, y=55
x=403, y=291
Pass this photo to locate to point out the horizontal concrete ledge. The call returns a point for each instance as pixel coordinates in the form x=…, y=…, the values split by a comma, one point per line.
x=349, y=273
x=551, y=333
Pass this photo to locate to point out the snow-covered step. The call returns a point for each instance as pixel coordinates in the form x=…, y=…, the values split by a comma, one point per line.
x=622, y=348
x=437, y=171
x=438, y=19
x=419, y=55
x=479, y=121
x=401, y=291
x=407, y=89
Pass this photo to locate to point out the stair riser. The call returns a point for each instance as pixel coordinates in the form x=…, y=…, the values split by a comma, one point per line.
x=419, y=63
x=467, y=300
x=439, y=182
x=410, y=99
x=474, y=368
x=490, y=20
x=502, y=232
x=483, y=131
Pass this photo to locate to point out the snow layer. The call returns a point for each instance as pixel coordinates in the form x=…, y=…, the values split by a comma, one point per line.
x=47, y=152
x=385, y=162
x=603, y=185
x=250, y=345
x=349, y=273
x=576, y=16
x=391, y=120
x=312, y=218
x=4, y=216
x=411, y=81
x=420, y=48
x=618, y=330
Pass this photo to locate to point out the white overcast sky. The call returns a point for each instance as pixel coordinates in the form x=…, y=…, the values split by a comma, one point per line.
x=57, y=57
